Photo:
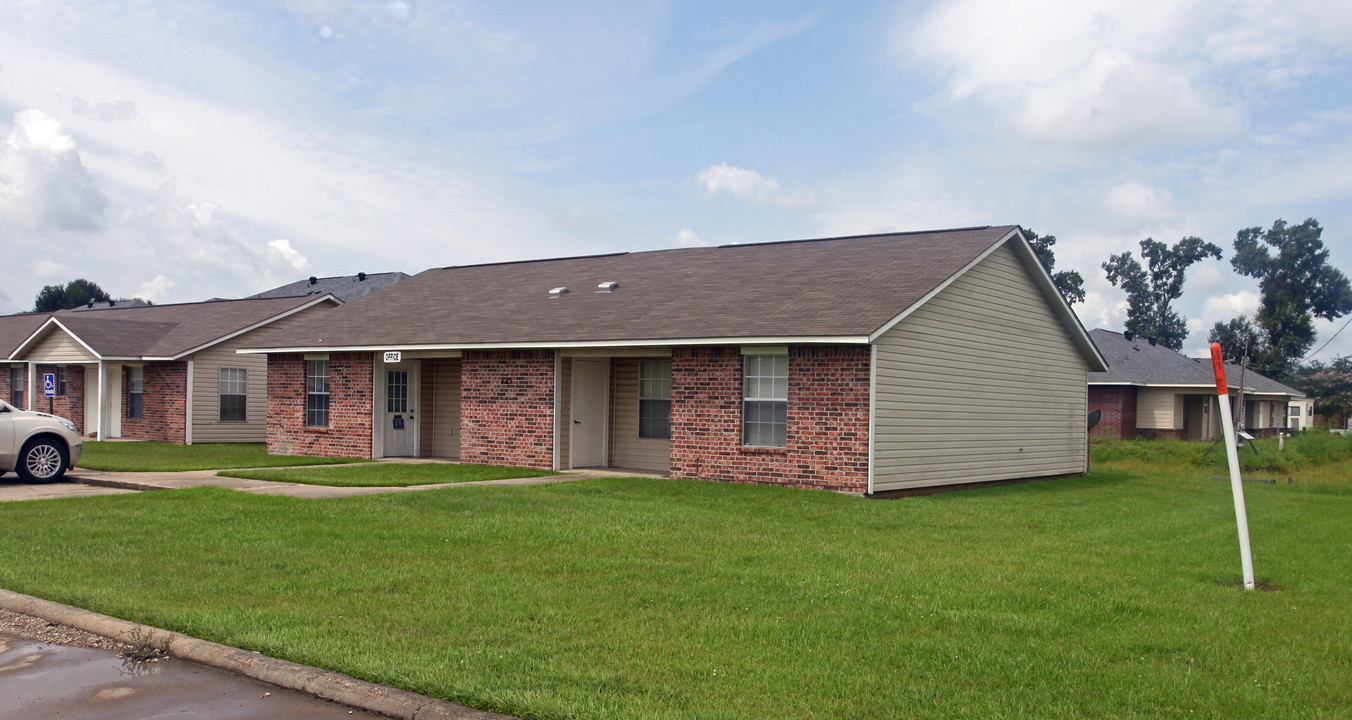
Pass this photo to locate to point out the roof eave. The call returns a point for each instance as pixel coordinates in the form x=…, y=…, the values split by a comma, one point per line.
x=554, y=344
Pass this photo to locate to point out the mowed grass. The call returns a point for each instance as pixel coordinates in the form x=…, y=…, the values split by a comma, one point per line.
x=389, y=475
x=1114, y=595
x=169, y=457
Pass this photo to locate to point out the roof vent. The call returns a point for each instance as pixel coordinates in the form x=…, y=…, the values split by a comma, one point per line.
x=112, y=303
x=1154, y=340
x=557, y=292
x=1128, y=335
x=607, y=286
x=314, y=280
x=90, y=305
x=361, y=277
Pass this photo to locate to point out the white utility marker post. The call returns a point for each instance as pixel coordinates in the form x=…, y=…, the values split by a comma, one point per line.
x=1232, y=454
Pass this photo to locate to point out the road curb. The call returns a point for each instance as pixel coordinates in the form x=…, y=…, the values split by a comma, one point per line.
x=120, y=484
x=314, y=681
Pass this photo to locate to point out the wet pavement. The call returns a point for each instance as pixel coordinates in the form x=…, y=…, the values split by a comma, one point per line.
x=42, y=680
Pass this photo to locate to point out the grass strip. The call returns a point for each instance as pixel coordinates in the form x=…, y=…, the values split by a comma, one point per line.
x=170, y=457
x=1108, y=596
x=389, y=474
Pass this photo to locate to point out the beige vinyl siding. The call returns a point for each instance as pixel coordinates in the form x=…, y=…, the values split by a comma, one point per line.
x=627, y=449
x=58, y=347
x=565, y=419
x=440, y=420
x=1155, y=409
x=982, y=382
x=206, y=402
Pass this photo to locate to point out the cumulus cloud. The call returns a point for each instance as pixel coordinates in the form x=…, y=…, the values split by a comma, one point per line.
x=1132, y=199
x=44, y=185
x=290, y=254
x=1094, y=74
x=752, y=188
x=687, y=238
x=155, y=288
x=105, y=110
x=49, y=268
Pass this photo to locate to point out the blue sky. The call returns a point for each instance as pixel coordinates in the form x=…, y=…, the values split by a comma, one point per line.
x=180, y=151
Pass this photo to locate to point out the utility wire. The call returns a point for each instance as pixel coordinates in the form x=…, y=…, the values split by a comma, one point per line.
x=1326, y=344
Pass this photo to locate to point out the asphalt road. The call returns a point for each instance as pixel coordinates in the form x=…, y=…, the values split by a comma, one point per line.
x=43, y=680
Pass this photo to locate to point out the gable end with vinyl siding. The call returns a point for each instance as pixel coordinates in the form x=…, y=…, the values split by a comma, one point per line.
x=982, y=382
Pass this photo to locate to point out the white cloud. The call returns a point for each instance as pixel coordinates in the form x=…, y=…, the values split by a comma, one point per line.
x=750, y=187
x=154, y=289
x=1132, y=199
x=687, y=238
x=47, y=268
x=290, y=254
x=44, y=184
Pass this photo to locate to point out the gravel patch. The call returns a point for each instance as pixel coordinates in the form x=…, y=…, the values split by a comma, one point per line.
x=31, y=628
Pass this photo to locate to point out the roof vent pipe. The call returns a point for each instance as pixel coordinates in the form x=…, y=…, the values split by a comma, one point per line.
x=314, y=280
x=1128, y=335
x=558, y=292
x=1154, y=340
x=607, y=287
x=361, y=277
x=90, y=305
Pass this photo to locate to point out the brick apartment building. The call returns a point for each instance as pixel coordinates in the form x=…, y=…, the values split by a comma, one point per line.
x=860, y=364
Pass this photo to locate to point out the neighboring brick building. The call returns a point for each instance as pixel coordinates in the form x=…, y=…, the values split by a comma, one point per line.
x=863, y=365
x=151, y=372
x=1154, y=392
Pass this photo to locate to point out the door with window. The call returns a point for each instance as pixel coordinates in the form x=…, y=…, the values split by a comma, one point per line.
x=401, y=395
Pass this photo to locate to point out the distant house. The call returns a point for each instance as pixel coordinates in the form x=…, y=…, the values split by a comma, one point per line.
x=161, y=372
x=1300, y=414
x=861, y=364
x=1152, y=391
x=345, y=288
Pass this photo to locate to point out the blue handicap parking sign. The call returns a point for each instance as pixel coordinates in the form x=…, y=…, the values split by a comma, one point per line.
x=49, y=384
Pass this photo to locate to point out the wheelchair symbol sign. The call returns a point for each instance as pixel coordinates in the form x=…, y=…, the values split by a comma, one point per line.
x=49, y=384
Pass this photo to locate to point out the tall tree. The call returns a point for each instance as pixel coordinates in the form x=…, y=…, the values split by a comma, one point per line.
x=1068, y=282
x=1151, y=292
x=73, y=294
x=1297, y=284
x=1238, y=338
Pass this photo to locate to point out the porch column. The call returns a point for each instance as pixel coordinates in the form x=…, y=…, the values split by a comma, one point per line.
x=101, y=421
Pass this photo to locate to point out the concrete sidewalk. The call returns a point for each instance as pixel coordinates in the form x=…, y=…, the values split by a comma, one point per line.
x=143, y=481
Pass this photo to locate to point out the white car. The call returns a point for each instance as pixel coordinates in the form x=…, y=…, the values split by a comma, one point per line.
x=37, y=446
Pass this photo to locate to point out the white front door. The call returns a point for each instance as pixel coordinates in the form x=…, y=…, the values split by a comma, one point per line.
x=401, y=396
x=591, y=380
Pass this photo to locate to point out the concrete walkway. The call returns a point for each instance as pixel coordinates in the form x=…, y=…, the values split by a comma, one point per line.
x=142, y=481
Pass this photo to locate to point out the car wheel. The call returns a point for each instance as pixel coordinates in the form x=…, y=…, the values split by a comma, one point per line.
x=42, y=460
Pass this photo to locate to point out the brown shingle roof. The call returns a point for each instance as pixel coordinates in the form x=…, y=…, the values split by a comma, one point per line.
x=812, y=288
x=14, y=329
x=161, y=331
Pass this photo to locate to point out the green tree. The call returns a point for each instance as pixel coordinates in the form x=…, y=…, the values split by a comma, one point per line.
x=1330, y=386
x=1297, y=284
x=1237, y=337
x=73, y=294
x=1068, y=282
x=1152, y=291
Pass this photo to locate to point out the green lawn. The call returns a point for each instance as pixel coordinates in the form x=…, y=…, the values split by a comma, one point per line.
x=389, y=475
x=1109, y=596
x=168, y=457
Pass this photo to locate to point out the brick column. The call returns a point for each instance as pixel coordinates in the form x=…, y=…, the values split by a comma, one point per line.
x=507, y=408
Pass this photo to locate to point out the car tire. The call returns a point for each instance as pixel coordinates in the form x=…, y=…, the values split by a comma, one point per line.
x=42, y=460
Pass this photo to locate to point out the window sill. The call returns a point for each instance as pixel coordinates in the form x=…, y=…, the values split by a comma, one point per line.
x=764, y=450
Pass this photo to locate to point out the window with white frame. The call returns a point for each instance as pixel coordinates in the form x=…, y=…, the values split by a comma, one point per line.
x=136, y=384
x=18, y=379
x=654, y=399
x=234, y=391
x=317, y=393
x=1295, y=411
x=765, y=400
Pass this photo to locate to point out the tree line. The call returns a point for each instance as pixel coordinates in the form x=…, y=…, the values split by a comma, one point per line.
x=1296, y=285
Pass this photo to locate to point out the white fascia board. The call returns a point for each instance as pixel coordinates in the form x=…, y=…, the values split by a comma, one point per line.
x=268, y=321
x=547, y=345
x=39, y=332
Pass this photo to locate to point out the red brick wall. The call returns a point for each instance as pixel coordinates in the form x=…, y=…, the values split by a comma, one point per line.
x=350, y=398
x=5, y=385
x=164, y=403
x=1118, y=404
x=70, y=405
x=827, y=438
x=507, y=408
